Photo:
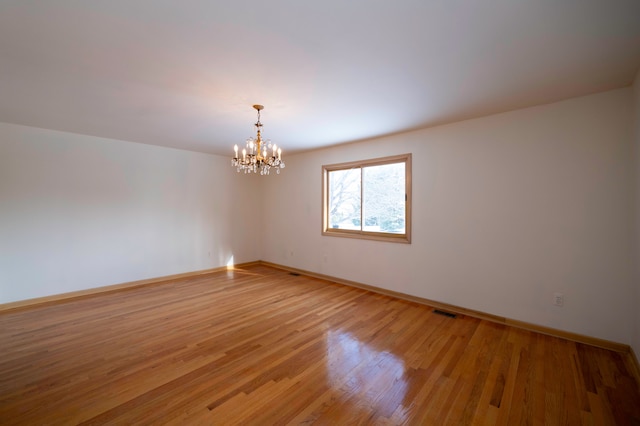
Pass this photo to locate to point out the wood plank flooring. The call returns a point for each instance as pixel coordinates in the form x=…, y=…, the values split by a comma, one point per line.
x=260, y=346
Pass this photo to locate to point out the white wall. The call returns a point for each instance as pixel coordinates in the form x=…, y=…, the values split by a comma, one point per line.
x=507, y=210
x=635, y=344
x=78, y=212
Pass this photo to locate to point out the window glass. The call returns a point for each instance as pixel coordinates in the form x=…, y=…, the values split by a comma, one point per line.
x=344, y=201
x=383, y=198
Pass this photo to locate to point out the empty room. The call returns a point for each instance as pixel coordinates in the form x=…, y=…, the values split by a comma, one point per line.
x=365, y=212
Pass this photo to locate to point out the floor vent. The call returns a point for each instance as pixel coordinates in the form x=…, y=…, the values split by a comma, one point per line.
x=295, y=274
x=444, y=313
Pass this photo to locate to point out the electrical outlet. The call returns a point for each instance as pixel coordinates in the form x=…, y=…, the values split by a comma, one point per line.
x=558, y=299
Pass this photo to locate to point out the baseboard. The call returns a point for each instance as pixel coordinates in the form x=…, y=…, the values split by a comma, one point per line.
x=592, y=341
x=60, y=298
x=64, y=297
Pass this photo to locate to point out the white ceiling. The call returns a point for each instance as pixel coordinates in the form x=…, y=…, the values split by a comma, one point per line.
x=185, y=73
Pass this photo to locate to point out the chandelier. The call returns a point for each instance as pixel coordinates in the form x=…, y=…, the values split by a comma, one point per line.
x=255, y=156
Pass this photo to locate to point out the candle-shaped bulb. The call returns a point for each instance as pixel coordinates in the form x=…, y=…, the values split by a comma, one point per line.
x=279, y=153
x=244, y=154
x=235, y=149
x=275, y=149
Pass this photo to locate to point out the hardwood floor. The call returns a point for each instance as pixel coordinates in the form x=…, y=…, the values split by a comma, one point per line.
x=260, y=346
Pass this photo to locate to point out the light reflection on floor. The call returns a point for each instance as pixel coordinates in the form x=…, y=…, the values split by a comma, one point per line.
x=368, y=378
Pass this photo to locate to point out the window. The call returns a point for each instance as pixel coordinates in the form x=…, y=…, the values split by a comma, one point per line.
x=368, y=199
